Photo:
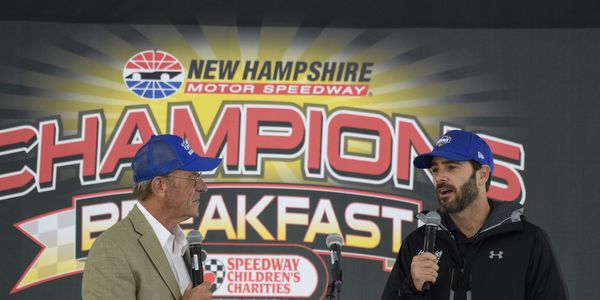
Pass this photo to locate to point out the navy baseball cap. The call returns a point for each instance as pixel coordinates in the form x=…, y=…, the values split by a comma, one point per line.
x=458, y=145
x=166, y=153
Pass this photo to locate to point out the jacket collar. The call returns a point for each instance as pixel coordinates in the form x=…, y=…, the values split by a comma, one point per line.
x=504, y=216
x=153, y=249
x=503, y=213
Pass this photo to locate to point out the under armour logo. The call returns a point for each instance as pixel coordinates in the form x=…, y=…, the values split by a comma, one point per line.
x=496, y=254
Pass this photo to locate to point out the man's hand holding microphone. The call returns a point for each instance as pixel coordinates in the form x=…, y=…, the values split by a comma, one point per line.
x=424, y=267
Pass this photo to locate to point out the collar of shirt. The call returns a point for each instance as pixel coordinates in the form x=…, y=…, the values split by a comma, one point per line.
x=458, y=235
x=166, y=237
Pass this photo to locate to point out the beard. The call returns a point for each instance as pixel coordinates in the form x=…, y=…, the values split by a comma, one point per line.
x=467, y=193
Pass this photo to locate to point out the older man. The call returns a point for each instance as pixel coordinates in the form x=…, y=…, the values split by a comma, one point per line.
x=484, y=249
x=143, y=255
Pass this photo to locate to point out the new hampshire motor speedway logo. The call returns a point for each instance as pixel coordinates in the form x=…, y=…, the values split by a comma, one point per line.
x=156, y=75
x=153, y=74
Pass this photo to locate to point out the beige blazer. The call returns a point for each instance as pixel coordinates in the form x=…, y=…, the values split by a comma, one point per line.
x=127, y=262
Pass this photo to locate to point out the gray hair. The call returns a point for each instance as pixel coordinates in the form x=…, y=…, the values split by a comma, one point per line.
x=142, y=189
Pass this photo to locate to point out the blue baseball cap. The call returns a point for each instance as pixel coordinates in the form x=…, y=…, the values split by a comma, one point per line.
x=166, y=153
x=458, y=145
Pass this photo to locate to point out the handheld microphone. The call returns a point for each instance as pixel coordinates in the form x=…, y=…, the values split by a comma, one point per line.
x=194, y=238
x=335, y=242
x=432, y=221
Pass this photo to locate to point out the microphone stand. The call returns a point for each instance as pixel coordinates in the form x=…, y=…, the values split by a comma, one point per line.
x=334, y=242
x=335, y=286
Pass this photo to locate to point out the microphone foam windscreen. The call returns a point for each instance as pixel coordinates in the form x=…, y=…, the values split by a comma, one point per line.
x=194, y=237
x=433, y=218
x=334, y=238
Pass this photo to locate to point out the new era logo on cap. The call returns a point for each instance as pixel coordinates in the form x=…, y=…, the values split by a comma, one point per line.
x=458, y=145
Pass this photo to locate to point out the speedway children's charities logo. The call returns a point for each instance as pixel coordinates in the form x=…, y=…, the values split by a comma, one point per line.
x=259, y=275
x=153, y=74
x=214, y=272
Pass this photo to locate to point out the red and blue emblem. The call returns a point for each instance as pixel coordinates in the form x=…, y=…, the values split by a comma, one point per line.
x=153, y=74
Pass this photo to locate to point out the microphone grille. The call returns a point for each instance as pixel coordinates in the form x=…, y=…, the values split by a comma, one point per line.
x=194, y=237
x=334, y=238
x=433, y=218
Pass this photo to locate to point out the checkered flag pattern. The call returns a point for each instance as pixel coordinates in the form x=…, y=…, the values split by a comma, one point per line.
x=216, y=267
x=55, y=233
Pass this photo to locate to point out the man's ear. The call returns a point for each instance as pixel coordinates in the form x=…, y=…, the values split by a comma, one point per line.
x=483, y=175
x=158, y=186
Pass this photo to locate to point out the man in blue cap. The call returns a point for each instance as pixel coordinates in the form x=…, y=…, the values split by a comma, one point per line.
x=143, y=255
x=484, y=249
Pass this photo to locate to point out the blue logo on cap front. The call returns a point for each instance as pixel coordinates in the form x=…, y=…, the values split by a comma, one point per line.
x=187, y=147
x=443, y=141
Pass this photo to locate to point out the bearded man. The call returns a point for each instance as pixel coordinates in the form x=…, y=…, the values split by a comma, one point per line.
x=484, y=249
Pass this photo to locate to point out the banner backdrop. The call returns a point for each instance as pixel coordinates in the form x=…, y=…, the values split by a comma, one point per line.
x=317, y=128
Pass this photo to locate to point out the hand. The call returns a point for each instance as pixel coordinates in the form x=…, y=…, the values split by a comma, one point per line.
x=200, y=292
x=424, y=268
